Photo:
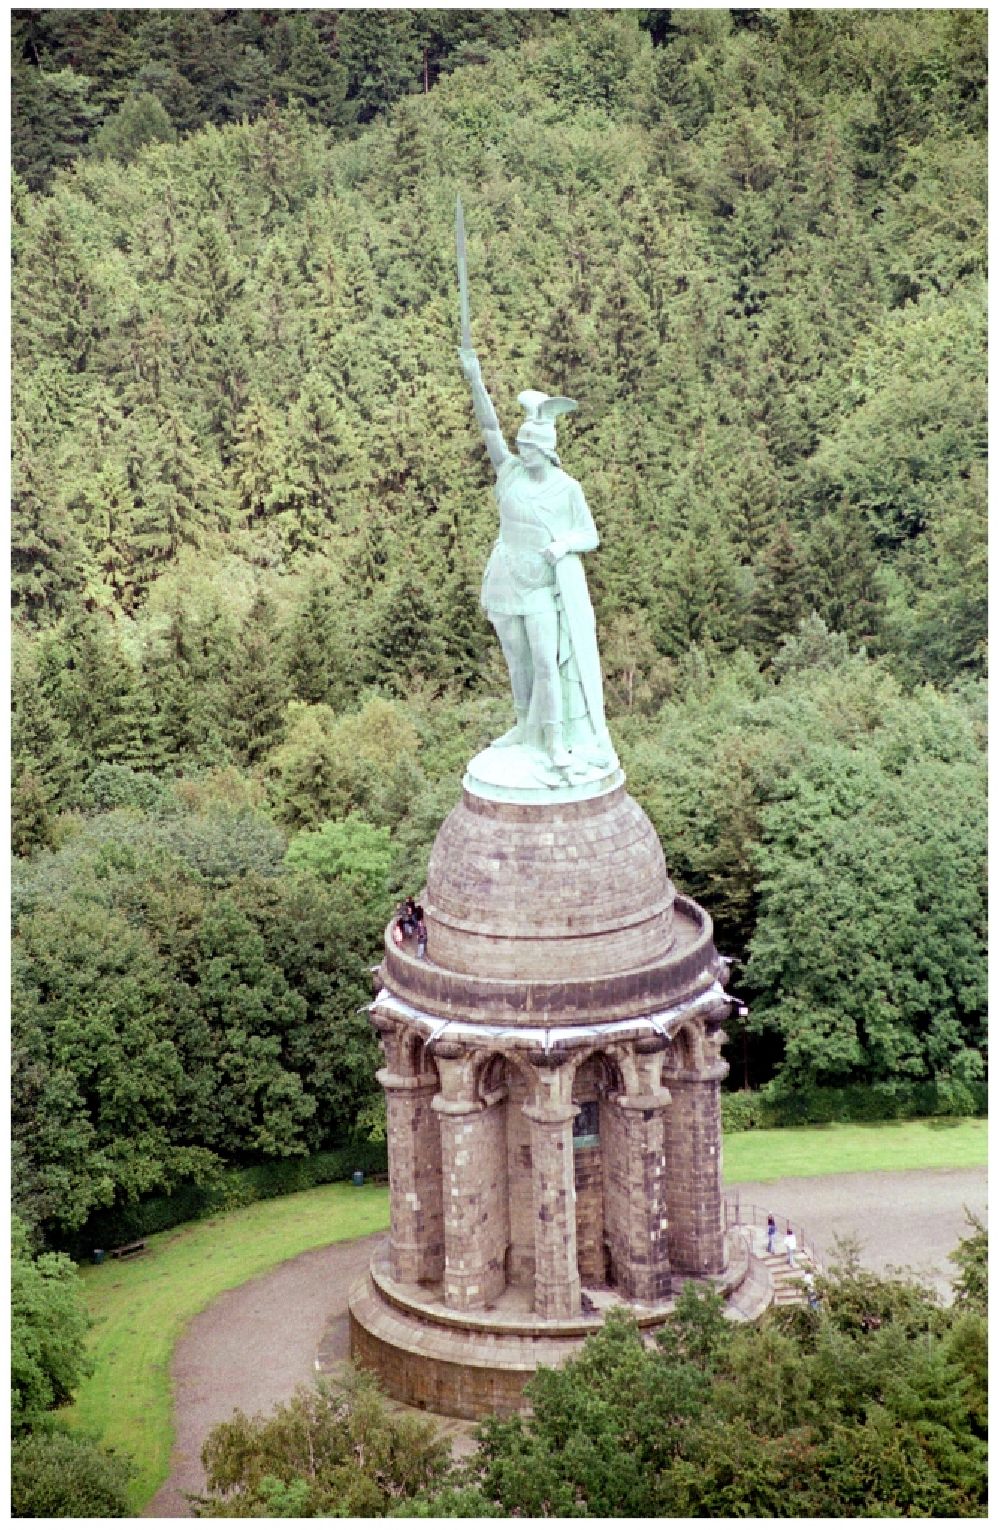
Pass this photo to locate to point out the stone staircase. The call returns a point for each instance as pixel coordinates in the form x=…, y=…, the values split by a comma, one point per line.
x=785, y=1285
x=788, y=1281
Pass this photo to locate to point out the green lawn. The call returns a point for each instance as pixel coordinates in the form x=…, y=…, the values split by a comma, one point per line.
x=140, y=1308
x=795, y=1151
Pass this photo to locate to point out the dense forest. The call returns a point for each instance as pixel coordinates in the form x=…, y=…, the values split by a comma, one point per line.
x=251, y=509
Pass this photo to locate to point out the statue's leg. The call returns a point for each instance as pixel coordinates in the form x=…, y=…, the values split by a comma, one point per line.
x=517, y=651
x=543, y=637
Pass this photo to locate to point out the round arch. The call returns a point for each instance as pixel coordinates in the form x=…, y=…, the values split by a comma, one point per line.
x=684, y=1052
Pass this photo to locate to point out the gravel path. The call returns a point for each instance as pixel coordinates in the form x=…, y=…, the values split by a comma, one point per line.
x=253, y=1346
x=250, y=1349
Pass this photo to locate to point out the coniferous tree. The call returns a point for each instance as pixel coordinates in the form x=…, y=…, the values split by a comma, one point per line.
x=101, y=699
x=781, y=592
x=257, y=686
x=46, y=561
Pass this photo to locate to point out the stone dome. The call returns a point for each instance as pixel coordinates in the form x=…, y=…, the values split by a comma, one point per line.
x=529, y=892
x=556, y=913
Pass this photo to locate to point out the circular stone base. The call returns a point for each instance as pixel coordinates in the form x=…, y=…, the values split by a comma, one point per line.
x=518, y=773
x=468, y=1365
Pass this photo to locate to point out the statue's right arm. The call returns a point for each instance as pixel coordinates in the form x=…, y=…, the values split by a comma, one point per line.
x=482, y=407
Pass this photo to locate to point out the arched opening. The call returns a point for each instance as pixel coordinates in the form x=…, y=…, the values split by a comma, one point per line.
x=596, y=1084
x=417, y=1061
x=491, y=1076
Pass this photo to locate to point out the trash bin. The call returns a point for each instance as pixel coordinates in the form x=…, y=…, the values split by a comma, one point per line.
x=357, y=1177
x=98, y=1256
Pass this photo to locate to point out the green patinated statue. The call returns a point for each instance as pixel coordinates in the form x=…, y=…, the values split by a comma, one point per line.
x=535, y=594
x=535, y=591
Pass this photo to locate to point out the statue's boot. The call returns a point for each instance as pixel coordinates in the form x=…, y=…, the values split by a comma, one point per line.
x=516, y=735
x=555, y=748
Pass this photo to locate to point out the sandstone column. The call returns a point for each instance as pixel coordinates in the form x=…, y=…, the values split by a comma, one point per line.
x=696, y=1236
x=557, y=1279
x=644, y=1274
x=474, y=1184
x=416, y=1233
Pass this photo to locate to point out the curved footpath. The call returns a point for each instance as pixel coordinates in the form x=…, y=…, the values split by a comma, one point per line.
x=253, y=1346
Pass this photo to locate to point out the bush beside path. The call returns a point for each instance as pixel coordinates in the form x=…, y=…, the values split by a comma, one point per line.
x=141, y=1308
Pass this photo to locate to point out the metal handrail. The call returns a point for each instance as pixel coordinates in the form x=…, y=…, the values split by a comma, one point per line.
x=748, y=1213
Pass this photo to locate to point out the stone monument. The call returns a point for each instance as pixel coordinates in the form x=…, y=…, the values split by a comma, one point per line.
x=553, y=1064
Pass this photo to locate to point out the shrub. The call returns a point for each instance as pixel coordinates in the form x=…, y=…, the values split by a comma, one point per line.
x=776, y=1105
x=63, y=1476
x=48, y=1331
x=230, y=1190
x=742, y=1111
x=119, y=786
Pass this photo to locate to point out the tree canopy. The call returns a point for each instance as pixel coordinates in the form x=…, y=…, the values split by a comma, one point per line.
x=873, y=1403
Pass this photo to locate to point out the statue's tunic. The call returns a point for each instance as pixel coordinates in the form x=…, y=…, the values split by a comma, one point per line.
x=519, y=580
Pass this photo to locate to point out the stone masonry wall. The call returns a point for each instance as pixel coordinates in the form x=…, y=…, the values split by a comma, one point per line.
x=414, y=1148
x=615, y=1166
x=521, y=1259
x=646, y=1276
x=526, y=860
x=557, y=1275
x=474, y=1181
x=493, y=1232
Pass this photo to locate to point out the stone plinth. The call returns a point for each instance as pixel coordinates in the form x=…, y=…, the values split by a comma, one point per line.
x=466, y=1365
x=552, y=1077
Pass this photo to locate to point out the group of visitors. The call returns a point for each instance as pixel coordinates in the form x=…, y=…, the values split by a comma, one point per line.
x=791, y=1247
x=410, y=921
x=791, y=1243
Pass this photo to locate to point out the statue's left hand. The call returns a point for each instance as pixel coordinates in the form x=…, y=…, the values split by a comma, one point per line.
x=555, y=551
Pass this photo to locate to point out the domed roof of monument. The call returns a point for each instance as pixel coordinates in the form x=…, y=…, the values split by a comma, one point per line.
x=569, y=890
x=552, y=914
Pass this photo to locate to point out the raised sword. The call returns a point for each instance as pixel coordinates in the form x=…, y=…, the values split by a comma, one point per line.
x=463, y=275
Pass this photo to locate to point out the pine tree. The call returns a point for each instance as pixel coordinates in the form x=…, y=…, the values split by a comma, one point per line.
x=47, y=561
x=381, y=55
x=321, y=642
x=780, y=597
x=41, y=750
x=102, y=699
x=257, y=691
x=260, y=462
x=309, y=74
x=184, y=668
x=405, y=639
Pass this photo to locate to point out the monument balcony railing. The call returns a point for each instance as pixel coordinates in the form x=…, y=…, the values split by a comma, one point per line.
x=679, y=975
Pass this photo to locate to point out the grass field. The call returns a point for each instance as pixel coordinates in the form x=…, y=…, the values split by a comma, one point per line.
x=796, y=1151
x=140, y=1308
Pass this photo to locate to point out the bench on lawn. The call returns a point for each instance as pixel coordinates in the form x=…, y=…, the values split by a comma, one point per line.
x=126, y=1250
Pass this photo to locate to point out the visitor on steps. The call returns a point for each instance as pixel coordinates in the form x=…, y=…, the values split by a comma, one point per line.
x=790, y=1245
x=772, y=1232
